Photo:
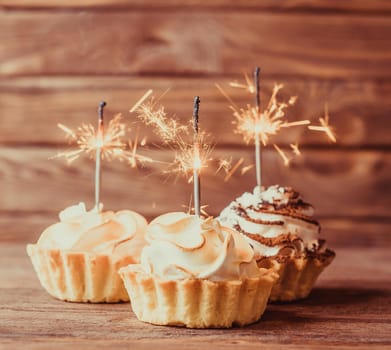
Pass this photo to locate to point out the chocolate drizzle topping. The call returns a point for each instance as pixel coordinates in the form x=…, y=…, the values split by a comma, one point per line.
x=286, y=211
x=283, y=239
x=242, y=213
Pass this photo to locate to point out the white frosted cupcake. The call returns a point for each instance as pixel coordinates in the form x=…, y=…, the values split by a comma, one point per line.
x=280, y=227
x=77, y=259
x=198, y=274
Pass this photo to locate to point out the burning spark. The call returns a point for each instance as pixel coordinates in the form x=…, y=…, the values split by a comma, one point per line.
x=110, y=142
x=249, y=86
x=203, y=211
x=282, y=154
x=234, y=168
x=141, y=100
x=295, y=148
x=229, y=169
x=324, y=126
x=245, y=169
x=224, y=164
x=132, y=156
x=70, y=134
x=190, y=209
x=189, y=156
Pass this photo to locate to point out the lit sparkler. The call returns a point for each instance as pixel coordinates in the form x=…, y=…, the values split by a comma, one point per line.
x=324, y=126
x=189, y=157
x=259, y=126
x=196, y=158
x=102, y=144
x=175, y=135
x=98, y=155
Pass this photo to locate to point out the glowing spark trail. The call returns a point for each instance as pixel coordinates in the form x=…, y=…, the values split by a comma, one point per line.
x=324, y=126
x=224, y=164
x=249, y=86
x=245, y=169
x=234, y=168
x=152, y=113
x=282, y=154
x=141, y=100
x=295, y=148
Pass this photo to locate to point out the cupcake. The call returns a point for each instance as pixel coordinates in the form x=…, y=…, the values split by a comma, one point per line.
x=77, y=259
x=280, y=228
x=198, y=274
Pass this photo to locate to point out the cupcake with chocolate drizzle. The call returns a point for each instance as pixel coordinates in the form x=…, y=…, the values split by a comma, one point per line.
x=280, y=227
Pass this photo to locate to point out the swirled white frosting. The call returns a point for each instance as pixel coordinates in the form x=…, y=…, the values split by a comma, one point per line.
x=184, y=246
x=120, y=233
x=277, y=214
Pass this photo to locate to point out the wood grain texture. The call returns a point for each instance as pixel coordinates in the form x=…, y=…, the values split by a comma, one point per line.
x=342, y=183
x=30, y=108
x=195, y=42
x=350, y=307
x=360, y=6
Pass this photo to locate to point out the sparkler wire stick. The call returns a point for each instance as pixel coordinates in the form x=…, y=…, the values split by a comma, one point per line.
x=98, y=158
x=196, y=165
x=257, y=140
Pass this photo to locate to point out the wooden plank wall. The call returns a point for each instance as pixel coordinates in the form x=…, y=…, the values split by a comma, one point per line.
x=57, y=61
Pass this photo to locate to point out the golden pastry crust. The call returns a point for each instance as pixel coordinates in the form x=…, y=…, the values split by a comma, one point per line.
x=197, y=303
x=297, y=274
x=79, y=277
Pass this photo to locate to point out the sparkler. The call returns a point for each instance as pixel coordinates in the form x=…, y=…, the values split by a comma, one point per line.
x=110, y=142
x=102, y=144
x=98, y=156
x=88, y=140
x=190, y=157
x=260, y=126
x=258, y=159
x=197, y=160
x=183, y=163
x=175, y=134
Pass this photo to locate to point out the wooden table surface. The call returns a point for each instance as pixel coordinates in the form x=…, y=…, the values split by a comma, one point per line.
x=350, y=308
